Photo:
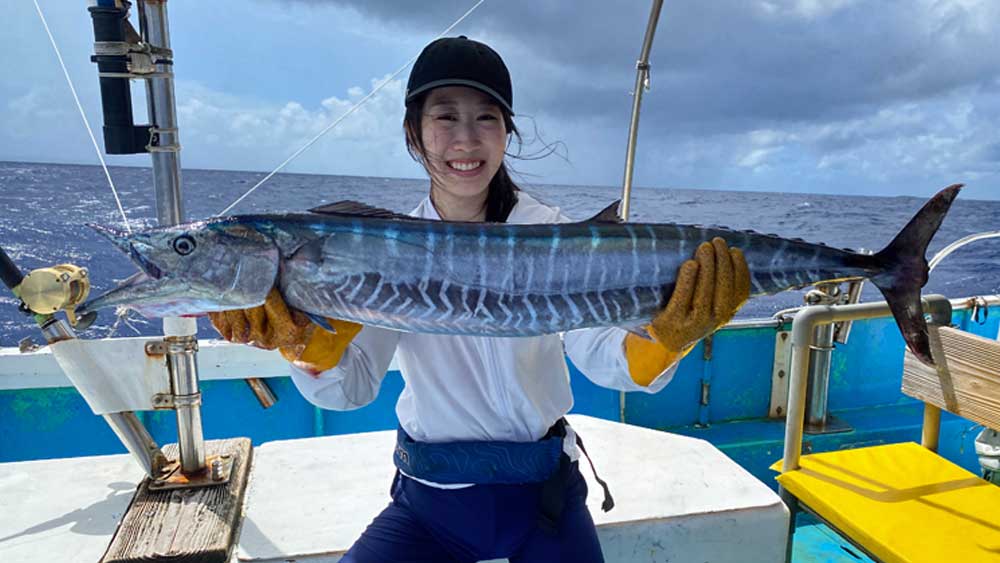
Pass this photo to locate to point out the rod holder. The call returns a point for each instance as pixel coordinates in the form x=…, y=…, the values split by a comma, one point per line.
x=818, y=420
x=187, y=401
x=121, y=134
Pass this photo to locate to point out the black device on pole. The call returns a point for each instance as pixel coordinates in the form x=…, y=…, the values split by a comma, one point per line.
x=121, y=135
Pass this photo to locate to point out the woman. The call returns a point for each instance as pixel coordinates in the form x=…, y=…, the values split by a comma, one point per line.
x=468, y=395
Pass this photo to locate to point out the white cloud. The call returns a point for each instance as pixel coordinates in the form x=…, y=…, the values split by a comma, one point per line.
x=804, y=9
x=219, y=130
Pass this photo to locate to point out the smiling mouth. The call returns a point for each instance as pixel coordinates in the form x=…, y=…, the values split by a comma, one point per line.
x=465, y=165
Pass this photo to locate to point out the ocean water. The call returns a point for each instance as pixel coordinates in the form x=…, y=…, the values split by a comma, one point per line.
x=45, y=208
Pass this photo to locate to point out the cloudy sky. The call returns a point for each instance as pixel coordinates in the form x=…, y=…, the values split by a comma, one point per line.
x=894, y=97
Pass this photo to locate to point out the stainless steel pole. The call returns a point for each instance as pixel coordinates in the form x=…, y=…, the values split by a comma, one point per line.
x=187, y=400
x=819, y=361
x=641, y=84
x=819, y=376
x=137, y=441
x=181, y=342
x=163, y=115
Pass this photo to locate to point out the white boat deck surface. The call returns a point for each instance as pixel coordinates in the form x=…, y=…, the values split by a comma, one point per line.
x=677, y=499
x=63, y=510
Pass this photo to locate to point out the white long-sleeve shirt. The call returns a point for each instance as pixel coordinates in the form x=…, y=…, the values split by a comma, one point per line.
x=475, y=388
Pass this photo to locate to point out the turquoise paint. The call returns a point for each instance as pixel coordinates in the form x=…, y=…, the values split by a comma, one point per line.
x=30, y=429
x=319, y=428
x=47, y=409
x=591, y=399
x=756, y=444
x=379, y=415
x=816, y=543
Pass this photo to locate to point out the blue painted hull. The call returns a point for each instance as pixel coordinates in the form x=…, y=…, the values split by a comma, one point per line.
x=864, y=392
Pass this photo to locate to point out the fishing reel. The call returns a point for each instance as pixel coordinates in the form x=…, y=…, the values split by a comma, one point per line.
x=46, y=291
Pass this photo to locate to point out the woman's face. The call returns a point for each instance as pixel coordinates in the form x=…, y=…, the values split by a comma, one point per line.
x=464, y=138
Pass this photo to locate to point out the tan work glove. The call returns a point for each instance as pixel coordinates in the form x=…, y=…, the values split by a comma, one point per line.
x=709, y=291
x=273, y=325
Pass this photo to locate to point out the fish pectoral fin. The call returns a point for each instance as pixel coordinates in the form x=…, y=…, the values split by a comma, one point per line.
x=357, y=209
x=320, y=321
x=640, y=331
x=607, y=215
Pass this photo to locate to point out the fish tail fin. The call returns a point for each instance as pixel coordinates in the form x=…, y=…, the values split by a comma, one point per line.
x=903, y=270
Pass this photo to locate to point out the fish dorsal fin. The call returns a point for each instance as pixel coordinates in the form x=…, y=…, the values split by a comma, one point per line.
x=357, y=209
x=607, y=215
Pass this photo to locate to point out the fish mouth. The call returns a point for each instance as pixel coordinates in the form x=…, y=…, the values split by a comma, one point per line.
x=146, y=284
x=150, y=269
x=154, y=298
x=129, y=245
x=136, y=285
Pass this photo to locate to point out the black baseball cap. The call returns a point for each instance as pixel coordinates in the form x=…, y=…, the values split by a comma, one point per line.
x=460, y=61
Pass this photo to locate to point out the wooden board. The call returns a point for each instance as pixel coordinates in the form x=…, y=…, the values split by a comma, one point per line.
x=969, y=386
x=185, y=525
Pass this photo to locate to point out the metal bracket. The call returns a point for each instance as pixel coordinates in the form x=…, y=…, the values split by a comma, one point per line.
x=163, y=401
x=156, y=348
x=142, y=59
x=979, y=310
x=852, y=295
x=161, y=347
x=176, y=345
x=832, y=425
x=168, y=401
x=218, y=469
x=155, y=140
x=141, y=63
x=779, y=374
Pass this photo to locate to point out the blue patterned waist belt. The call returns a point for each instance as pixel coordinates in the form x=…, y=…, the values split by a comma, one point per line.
x=478, y=462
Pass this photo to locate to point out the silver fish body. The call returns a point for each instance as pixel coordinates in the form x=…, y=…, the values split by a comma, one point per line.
x=352, y=262
x=523, y=280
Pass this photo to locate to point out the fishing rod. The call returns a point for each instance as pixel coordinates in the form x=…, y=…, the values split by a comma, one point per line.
x=9, y=272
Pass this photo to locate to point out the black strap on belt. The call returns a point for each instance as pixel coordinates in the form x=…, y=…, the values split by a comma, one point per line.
x=609, y=502
x=553, y=494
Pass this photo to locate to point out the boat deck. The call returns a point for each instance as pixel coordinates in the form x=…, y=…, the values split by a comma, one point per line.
x=311, y=498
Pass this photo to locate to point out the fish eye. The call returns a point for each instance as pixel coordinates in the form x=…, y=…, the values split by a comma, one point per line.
x=183, y=245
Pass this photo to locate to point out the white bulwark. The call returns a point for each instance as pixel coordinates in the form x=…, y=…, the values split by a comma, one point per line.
x=677, y=499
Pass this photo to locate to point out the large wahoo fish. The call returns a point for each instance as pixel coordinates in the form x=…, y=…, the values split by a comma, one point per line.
x=355, y=262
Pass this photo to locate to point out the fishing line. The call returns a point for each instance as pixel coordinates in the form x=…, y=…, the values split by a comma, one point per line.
x=353, y=108
x=83, y=115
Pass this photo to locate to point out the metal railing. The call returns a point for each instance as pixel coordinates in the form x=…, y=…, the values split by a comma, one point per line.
x=803, y=330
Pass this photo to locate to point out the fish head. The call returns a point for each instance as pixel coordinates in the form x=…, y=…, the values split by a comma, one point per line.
x=192, y=269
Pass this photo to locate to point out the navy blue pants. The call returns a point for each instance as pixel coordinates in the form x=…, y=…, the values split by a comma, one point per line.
x=427, y=524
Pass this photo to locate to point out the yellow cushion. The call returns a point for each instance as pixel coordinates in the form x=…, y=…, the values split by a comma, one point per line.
x=902, y=502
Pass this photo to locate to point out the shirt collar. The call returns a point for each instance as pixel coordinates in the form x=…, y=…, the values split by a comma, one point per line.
x=426, y=210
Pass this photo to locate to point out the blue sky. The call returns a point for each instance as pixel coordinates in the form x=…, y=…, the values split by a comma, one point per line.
x=889, y=97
